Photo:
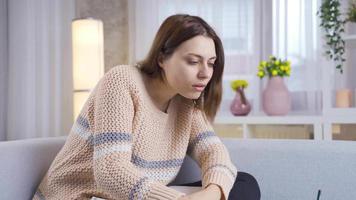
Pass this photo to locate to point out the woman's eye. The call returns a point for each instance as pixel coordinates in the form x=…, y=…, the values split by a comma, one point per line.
x=211, y=64
x=193, y=62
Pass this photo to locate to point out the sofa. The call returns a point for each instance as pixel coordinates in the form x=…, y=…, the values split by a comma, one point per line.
x=284, y=169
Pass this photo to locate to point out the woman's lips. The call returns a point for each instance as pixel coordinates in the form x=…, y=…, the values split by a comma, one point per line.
x=199, y=87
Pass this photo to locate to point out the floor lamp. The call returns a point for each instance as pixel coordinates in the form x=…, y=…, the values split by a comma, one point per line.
x=88, y=59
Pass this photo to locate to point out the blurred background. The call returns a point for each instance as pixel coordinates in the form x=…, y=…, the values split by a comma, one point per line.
x=38, y=58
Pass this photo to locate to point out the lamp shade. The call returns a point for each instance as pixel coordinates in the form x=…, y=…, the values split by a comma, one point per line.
x=88, y=58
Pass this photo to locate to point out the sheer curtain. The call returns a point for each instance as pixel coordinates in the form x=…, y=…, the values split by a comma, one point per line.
x=251, y=30
x=237, y=22
x=296, y=37
x=3, y=67
x=39, y=90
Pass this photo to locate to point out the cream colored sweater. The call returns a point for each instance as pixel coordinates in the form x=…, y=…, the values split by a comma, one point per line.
x=123, y=147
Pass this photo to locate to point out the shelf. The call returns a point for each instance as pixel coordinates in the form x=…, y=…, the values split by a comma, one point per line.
x=246, y=121
x=262, y=119
x=335, y=117
x=347, y=112
x=340, y=115
x=340, y=120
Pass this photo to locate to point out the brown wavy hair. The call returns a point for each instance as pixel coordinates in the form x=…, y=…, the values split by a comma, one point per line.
x=174, y=31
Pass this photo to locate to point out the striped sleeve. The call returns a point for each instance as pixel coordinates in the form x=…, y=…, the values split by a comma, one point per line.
x=206, y=148
x=111, y=128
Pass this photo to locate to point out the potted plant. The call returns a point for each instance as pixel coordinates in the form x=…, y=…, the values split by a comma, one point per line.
x=276, y=99
x=240, y=106
x=333, y=26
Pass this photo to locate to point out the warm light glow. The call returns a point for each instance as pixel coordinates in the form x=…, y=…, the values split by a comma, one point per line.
x=88, y=58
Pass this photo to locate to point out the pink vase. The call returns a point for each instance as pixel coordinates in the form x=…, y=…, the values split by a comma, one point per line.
x=276, y=99
x=240, y=105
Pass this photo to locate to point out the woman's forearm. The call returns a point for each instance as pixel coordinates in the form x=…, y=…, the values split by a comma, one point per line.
x=211, y=192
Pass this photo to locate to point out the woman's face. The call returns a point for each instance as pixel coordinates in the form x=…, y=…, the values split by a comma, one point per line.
x=189, y=69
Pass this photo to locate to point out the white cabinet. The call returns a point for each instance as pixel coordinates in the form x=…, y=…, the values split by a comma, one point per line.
x=331, y=114
x=322, y=122
x=247, y=122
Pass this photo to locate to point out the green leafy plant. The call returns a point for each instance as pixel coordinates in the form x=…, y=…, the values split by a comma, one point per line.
x=239, y=84
x=274, y=67
x=333, y=26
x=351, y=13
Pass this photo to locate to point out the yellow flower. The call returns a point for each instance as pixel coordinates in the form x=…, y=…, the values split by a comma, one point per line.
x=239, y=83
x=261, y=74
x=274, y=67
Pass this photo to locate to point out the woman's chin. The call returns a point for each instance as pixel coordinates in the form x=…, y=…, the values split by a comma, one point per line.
x=192, y=95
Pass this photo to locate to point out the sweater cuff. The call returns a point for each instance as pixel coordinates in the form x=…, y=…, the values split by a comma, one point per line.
x=225, y=182
x=159, y=191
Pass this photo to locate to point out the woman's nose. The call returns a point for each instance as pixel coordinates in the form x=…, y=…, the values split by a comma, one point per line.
x=204, y=71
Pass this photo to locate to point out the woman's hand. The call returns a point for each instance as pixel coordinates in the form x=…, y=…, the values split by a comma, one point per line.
x=212, y=192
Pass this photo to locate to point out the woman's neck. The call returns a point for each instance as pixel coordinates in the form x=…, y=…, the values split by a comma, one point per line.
x=159, y=91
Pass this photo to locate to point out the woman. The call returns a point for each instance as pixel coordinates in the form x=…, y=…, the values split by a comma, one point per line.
x=135, y=129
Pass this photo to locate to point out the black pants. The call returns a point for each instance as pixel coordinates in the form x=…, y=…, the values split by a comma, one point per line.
x=245, y=187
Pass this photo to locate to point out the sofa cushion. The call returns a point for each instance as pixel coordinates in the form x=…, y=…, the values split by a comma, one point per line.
x=297, y=169
x=23, y=163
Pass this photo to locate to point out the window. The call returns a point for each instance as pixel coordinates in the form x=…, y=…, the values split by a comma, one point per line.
x=250, y=30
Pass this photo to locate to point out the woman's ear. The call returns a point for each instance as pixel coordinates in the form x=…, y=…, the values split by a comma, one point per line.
x=160, y=60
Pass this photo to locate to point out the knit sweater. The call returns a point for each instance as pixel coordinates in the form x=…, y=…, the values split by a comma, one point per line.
x=123, y=147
